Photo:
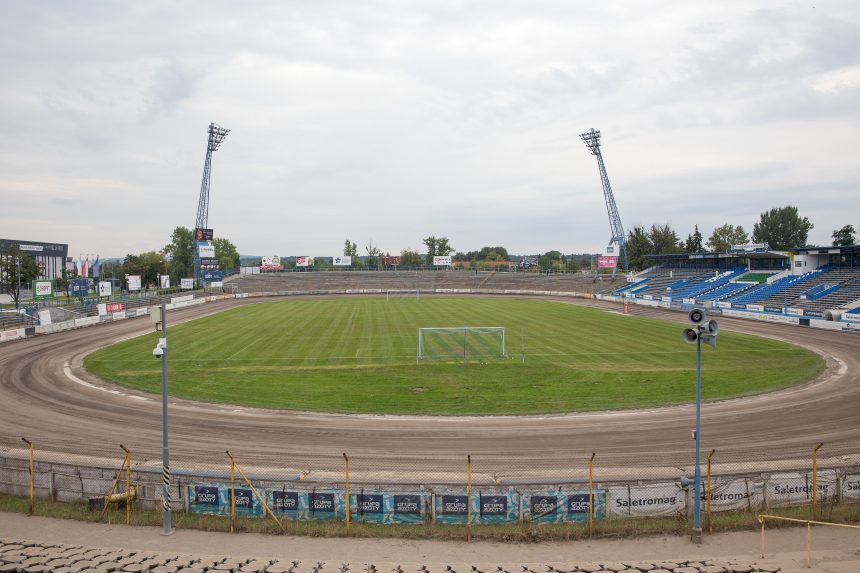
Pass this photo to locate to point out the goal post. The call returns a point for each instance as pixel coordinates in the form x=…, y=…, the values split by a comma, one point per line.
x=403, y=293
x=461, y=343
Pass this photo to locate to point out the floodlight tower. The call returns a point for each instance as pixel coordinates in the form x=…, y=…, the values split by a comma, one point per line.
x=592, y=141
x=216, y=137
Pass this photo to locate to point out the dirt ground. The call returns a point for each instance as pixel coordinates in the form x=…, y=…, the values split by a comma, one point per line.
x=785, y=546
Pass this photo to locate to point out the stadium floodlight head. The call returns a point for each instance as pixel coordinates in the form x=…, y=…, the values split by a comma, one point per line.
x=216, y=136
x=592, y=140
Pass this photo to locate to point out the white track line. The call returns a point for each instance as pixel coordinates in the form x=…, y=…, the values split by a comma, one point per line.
x=68, y=372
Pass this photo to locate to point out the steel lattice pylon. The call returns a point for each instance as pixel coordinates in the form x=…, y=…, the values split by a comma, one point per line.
x=592, y=141
x=216, y=136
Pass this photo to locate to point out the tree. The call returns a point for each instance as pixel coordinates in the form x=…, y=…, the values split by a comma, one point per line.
x=226, y=253
x=694, y=242
x=350, y=249
x=664, y=240
x=725, y=236
x=782, y=228
x=146, y=265
x=17, y=268
x=844, y=236
x=181, y=253
x=410, y=259
x=373, y=254
x=638, y=245
x=436, y=247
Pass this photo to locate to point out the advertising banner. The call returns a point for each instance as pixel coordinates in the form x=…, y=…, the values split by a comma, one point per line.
x=164, y=280
x=529, y=262
x=562, y=505
x=213, y=276
x=494, y=507
x=105, y=288
x=78, y=287
x=341, y=260
x=109, y=308
x=604, y=262
x=851, y=486
x=133, y=282
x=209, y=264
x=323, y=505
x=43, y=290
x=271, y=264
x=205, y=250
x=745, y=494
x=186, y=284
x=390, y=261
x=203, y=234
x=442, y=261
x=792, y=488
x=215, y=499
x=302, y=261
x=387, y=507
x=660, y=499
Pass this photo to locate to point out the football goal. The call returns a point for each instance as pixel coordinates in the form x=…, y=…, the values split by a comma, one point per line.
x=403, y=293
x=461, y=343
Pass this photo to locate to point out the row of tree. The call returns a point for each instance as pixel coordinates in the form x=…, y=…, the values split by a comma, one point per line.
x=782, y=228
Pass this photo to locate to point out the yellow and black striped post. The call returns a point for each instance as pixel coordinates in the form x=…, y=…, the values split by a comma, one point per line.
x=468, y=498
x=815, y=479
x=346, y=460
x=591, y=494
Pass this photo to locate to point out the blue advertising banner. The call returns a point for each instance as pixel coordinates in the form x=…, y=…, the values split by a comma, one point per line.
x=486, y=507
x=324, y=505
x=387, y=507
x=78, y=287
x=214, y=499
x=562, y=505
x=213, y=276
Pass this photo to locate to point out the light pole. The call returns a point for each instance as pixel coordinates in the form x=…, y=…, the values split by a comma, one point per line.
x=703, y=332
x=160, y=351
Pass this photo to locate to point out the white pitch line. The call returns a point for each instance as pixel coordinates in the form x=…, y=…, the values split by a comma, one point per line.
x=68, y=372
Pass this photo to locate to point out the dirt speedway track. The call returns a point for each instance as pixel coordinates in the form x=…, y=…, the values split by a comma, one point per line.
x=42, y=402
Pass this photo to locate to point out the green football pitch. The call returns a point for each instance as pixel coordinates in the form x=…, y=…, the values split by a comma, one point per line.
x=359, y=355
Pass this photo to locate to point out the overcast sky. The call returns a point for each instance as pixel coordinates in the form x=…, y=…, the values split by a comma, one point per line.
x=392, y=120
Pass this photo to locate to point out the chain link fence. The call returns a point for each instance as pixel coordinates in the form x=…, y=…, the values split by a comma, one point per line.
x=562, y=488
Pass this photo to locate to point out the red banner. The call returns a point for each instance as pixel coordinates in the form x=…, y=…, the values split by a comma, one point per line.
x=607, y=262
x=113, y=306
x=390, y=261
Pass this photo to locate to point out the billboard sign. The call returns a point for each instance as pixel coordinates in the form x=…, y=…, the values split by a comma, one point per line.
x=271, y=264
x=444, y=261
x=209, y=264
x=605, y=262
x=164, y=280
x=186, y=284
x=203, y=234
x=105, y=288
x=133, y=282
x=390, y=261
x=43, y=290
x=205, y=250
x=213, y=276
x=78, y=287
x=341, y=260
x=302, y=261
x=529, y=262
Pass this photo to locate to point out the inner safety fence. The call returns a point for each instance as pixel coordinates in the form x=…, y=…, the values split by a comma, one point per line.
x=583, y=487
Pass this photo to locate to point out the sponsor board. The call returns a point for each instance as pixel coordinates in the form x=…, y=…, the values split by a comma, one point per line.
x=723, y=304
x=529, y=262
x=755, y=307
x=186, y=284
x=209, y=264
x=304, y=261
x=794, y=311
x=205, y=251
x=43, y=290
x=659, y=499
x=118, y=315
x=109, y=307
x=388, y=507
x=442, y=261
x=791, y=488
x=164, y=280
x=739, y=306
x=133, y=282
x=736, y=494
x=341, y=260
x=562, y=505
x=390, y=261
x=604, y=262
x=776, y=309
x=79, y=287
x=203, y=234
x=851, y=486
x=13, y=334
x=216, y=499
x=183, y=298
x=482, y=507
x=105, y=288
x=813, y=313
x=271, y=264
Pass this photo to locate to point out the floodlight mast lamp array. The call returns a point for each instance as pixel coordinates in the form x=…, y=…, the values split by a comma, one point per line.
x=216, y=137
x=592, y=141
x=703, y=332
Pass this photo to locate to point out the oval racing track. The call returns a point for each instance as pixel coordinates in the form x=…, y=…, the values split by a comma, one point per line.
x=89, y=418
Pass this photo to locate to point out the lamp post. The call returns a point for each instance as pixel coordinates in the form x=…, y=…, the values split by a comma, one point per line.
x=160, y=351
x=703, y=332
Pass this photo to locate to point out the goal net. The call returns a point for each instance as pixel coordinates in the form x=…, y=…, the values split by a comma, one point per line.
x=402, y=293
x=462, y=343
